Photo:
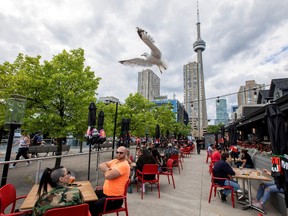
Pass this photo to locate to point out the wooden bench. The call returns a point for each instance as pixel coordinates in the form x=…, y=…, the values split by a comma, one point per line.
x=35, y=150
x=277, y=200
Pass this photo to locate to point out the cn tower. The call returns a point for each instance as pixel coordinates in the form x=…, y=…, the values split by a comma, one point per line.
x=199, y=46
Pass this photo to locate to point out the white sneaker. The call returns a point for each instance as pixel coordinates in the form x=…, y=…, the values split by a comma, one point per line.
x=258, y=205
x=12, y=166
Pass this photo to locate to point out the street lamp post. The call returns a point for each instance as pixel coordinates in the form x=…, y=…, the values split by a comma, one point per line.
x=15, y=110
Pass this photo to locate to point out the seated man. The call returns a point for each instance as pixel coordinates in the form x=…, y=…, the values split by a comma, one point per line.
x=245, y=161
x=170, y=150
x=223, y=170
x=116, y=174
x=216, y=155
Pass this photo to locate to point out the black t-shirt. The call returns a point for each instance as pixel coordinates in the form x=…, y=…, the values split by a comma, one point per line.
x=248, y=159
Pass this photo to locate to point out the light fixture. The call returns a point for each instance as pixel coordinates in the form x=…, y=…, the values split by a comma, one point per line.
x=218, y=101
x=255, y=93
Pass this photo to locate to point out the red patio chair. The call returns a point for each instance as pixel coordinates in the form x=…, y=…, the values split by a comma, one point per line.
x=122, y=208
x=214, y=186
x=186, y=152
x=8, y=198
x=79, y=210
x=169, y=171
x=148, y=169
x=177, y=162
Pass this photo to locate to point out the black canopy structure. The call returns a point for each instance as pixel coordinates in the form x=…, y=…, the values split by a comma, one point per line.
x=125, y=127
x=92, y=115
x=278, y=140
x=157, y=132
x=167, y=134
x=232, y=134
x=91, y=125
x=100, y=121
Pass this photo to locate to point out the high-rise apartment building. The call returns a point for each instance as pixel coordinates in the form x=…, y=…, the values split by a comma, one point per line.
x=194, y=88
x=247, y=95
x=221, y=111
x=190, y=93
x=148, y=84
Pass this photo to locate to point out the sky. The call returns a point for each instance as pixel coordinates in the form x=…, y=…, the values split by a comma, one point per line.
x=245, y=40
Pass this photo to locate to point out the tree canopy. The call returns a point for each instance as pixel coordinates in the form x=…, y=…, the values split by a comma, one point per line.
x=58, y=92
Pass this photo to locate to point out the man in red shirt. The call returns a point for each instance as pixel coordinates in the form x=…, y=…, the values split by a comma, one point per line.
x=216, y=156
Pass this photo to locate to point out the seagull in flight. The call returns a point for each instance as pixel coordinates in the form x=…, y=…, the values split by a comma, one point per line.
x=150, y=59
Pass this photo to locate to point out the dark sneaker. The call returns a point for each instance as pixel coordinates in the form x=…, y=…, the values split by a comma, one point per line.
x=223, y=196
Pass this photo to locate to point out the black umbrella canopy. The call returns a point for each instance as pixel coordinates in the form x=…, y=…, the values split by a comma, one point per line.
x=123, y=126
x=167, y=133
x=92, y=114
x=278, y=140
x=157, y=132
x=232, y=135
x=276, y=129
x=100, y=121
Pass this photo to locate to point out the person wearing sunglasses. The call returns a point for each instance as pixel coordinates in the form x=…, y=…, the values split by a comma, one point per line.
x=116, y=173
x=60, y=195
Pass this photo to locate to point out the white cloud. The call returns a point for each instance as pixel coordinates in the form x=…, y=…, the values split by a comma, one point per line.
x=245, y=39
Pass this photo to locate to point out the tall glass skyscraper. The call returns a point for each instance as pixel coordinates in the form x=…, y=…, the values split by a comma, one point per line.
x=221, y=111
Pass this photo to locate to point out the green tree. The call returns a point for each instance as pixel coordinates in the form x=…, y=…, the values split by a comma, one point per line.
x=58, y=93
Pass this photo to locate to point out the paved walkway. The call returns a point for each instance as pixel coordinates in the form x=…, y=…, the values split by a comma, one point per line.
x=189, y=198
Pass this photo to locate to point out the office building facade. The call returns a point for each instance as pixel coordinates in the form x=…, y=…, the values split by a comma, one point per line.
x=148, y=84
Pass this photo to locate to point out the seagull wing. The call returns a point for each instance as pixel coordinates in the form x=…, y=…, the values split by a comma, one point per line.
x=148, y=40
x=135, y=62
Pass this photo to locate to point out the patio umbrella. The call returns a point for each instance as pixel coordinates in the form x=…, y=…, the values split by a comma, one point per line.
x=157, y=132
x=91, y=124
x=99, y=140
x=125, y=127
x=123, y=130
x=157, y=135
x=278, y=140
x=92, y=114
x=233, y=135
x=276, y=129
x=100, y=121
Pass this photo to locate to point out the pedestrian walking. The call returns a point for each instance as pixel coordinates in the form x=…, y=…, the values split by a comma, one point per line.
x=23, y=143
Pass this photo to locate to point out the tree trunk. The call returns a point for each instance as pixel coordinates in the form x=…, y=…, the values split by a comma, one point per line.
x=59, y=152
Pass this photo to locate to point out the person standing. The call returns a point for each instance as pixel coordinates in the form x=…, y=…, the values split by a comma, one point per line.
x=60, y=195
x=23, y=143
x=116, y=174
x=223, y=170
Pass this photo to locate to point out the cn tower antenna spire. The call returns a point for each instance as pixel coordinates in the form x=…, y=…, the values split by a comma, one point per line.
x=198, y=19
x=199, y=46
